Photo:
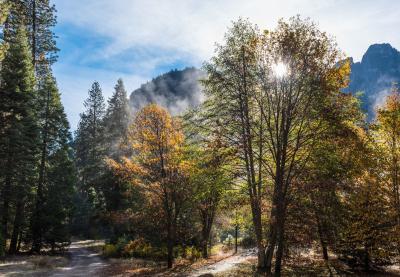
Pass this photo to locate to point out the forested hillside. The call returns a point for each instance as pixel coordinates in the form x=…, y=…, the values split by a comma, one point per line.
x=263, y=155
x=177, y=90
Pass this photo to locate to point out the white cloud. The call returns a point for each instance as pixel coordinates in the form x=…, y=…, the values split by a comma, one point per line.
x=162, y=32
x=190, y=26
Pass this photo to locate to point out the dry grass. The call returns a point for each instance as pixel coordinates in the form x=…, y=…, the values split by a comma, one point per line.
x=140, y=267
x=30, y=265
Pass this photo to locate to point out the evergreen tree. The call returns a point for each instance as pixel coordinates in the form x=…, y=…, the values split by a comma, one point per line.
x=54, y=138
x=89, y=147
x=115, y=125
x=18, y=127
x=116, y=121
x=40, y=19
x=59, y=195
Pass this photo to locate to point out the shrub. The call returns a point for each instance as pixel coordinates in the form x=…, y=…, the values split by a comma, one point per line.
x=110, y=250
x=140, y=248
x=193, y=253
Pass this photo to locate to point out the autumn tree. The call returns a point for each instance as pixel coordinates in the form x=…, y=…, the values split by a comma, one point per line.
x=316, y=211
x=157, y=165
x=300, y=76
x=388, y=136
x=369, y=236
x=231, y=86
x=211, y=178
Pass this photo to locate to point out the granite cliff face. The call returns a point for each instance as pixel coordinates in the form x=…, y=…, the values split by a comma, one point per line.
x=374, y=76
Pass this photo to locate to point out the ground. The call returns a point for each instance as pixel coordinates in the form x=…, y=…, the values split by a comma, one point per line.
x=84, y=259
x=81, y=260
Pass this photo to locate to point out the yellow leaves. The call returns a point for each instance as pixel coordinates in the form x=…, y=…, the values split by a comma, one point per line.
x=127, y=170
x=157, y=143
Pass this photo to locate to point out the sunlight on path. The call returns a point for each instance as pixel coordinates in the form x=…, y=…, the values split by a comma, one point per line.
x=226, y=264
x=82, y=262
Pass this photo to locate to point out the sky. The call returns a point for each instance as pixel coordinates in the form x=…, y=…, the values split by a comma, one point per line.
x=136, y=40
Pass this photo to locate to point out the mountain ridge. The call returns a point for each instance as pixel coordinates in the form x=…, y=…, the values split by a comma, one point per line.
x=373, y=75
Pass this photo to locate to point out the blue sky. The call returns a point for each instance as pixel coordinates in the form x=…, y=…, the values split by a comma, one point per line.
x=136, y=40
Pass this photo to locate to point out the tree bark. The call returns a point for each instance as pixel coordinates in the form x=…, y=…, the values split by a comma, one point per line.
x=6, y=199
x=170, y=243
x=281, y=237
x=272, y=232
x=170, y=250
x=236, y=238
x=207, y=216
x=17, y=226
x=322, y=239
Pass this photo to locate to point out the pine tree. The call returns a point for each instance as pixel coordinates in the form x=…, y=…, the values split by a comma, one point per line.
x=18, y=129
x=115, y=124
x=59, y=195
x=116, y=121
x=89, y=147
x=40, y=19
x=54, y=137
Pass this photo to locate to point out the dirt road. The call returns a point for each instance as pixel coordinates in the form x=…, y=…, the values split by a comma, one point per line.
x=81, y=262
x=225, y=264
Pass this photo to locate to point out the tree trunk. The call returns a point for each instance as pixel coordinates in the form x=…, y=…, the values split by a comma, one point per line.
x=366, y=258
x=272, y=232
x=236, y=238
x=170, y=245
x=170, y=257
x=206, y=229
x=322, y=238
x=17, y=226
x=204, y=248
x=258, y=230
x=19, y=240
x=281, y=213
x=6, y=200
x=184, y=251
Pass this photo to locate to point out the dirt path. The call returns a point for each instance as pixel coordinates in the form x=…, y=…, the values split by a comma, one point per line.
x=225, y=264
x=83, y=262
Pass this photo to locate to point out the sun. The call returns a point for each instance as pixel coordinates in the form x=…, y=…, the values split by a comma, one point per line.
x=279, y=69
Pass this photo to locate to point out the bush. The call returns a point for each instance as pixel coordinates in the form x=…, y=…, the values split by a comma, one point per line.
x=142, y=249
x=193, y=253
x=110, y=250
